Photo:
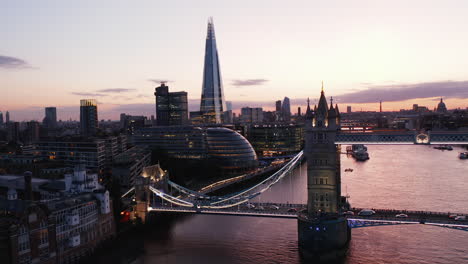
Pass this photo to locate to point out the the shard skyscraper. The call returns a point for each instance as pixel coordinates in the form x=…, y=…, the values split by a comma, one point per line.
x=212, y=100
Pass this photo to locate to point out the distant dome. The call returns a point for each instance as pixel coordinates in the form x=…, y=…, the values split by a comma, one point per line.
x=441, y=106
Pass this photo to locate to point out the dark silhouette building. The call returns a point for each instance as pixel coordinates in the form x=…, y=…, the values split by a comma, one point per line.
x=171, y=108
x=88, y=117
x=50, y=119
x=441, y=108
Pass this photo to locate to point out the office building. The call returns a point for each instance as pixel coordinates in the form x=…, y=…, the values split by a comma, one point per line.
x=221, y=147
x=127, y=166
x=88, y=117
x=251, y=115
x=13, y=131
x=130, y=123
x=348, y=109
x=286, y=109
x=276, y=139
x=50, y=119
x=278, y=106
x=7, y=117
x=212, y=100
x=171, y=107
x=1, y=119
x=228, y=105
x=32, y=132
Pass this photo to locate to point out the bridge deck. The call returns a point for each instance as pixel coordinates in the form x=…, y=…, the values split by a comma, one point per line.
x=289, y=211
x=401, y=137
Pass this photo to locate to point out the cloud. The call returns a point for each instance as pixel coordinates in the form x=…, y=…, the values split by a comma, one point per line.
x=116, y=90
x=249, y=82
x=13, y=63
x=88, y=94
x=158, y=81
x=402, y=92
x=105, y=92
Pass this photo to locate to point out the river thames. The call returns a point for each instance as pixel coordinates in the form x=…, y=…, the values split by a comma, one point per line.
x=400, y=177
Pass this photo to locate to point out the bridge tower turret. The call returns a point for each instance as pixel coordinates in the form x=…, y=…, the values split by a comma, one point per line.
x=323, y=232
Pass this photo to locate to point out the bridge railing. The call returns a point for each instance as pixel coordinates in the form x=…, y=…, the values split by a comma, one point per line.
x=396, y=211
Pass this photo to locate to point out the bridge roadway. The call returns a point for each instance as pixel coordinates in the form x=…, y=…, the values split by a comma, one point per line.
x=290, y=211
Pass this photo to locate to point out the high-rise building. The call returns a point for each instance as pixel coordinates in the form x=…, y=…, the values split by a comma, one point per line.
x=1, y=118
x=298, y=111
x=13, y=131
x=278, y=106
x=7, y=117
x=348, y=109
x=50, y=119
x=32, y=132
x=251, y=115
x=171, y=108
x=212, y=100
x=130, y=123
x=88, y=117
x=228, y=105
x=286, y=109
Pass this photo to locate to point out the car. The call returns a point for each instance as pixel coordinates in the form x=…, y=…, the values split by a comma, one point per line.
x=274, y=207
x=366, y=212
x=453, y=216
x=250, y=206
x=348, y=213
x=260, y=208
x=401, y=216
x=292, y=210
x=460, y=218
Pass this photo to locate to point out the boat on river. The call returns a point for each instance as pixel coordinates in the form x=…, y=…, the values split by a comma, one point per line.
x=463, y=155
x=444, y=147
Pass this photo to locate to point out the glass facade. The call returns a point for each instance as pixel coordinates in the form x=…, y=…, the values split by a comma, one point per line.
x=276, y=140
x=228, y=150
x=171, y=108
x=212, y=101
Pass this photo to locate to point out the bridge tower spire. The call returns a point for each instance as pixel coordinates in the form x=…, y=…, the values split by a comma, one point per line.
x=322, y=229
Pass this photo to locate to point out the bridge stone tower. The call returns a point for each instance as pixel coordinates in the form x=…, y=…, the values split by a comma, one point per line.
x=323, y=232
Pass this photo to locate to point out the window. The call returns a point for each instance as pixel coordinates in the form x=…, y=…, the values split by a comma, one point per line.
x=44, y=237
x=23, y=239
x=321, y=181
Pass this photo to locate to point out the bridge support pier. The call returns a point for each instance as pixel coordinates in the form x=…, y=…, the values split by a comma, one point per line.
x=323, y=238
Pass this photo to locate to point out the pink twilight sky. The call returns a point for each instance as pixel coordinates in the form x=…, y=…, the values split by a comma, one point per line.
x=54, y=53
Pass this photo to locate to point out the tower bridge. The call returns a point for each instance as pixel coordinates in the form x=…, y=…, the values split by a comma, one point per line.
x=323, y=231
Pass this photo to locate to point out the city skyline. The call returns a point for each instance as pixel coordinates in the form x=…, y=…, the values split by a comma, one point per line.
x=360, y=62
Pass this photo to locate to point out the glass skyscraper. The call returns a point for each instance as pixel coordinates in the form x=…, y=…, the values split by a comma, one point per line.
x=212, y=101
x=171, y=108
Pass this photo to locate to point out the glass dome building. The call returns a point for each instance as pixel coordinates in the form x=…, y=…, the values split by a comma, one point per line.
x=230, y=150
x=221, y=147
